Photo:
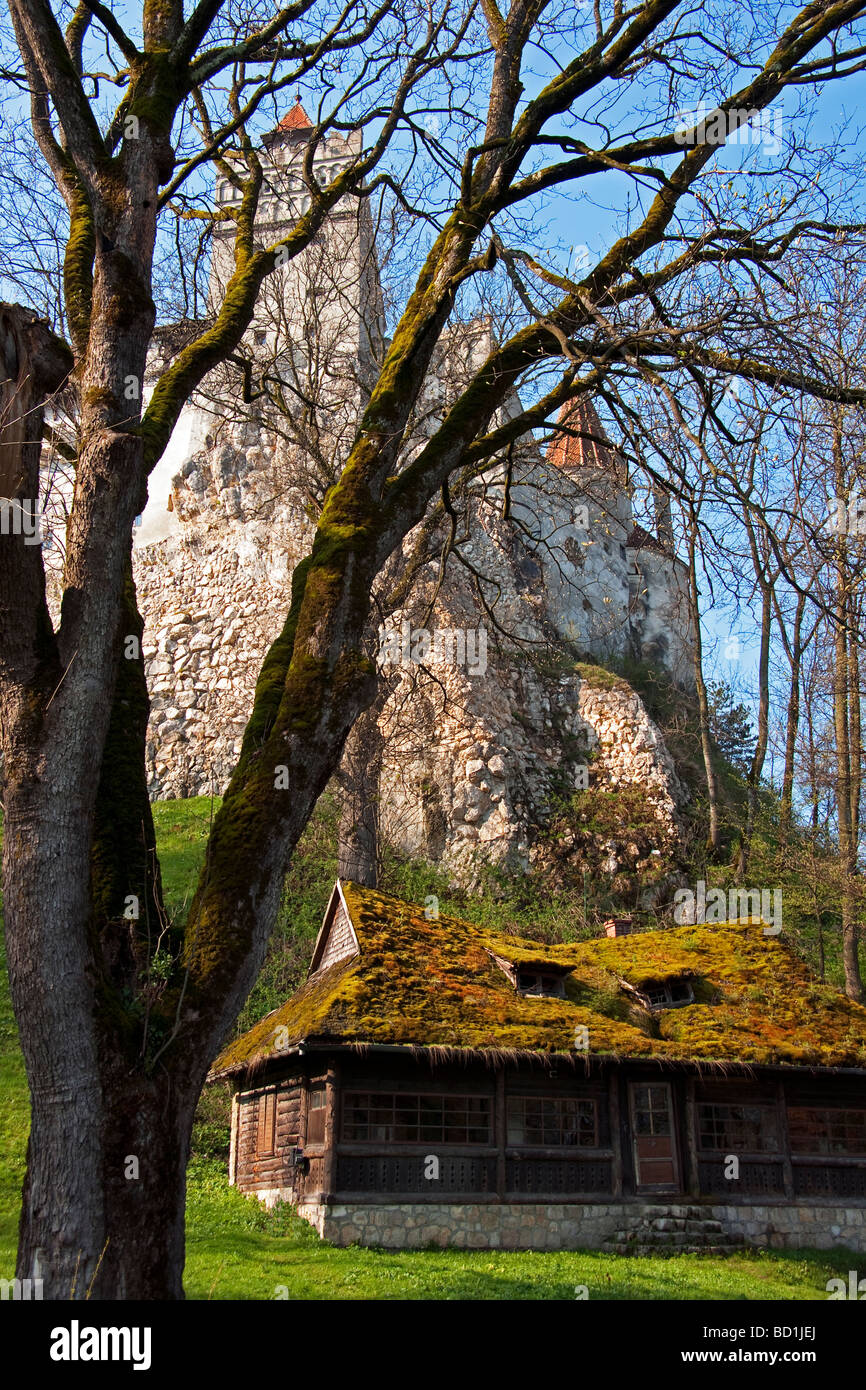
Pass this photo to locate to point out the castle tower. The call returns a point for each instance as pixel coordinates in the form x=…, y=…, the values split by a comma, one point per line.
x=574, y=501
x=318, y=325
x=330, y=292
x=582, y=450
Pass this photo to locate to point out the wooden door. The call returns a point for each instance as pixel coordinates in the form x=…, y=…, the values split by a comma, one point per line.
x=652, y=1127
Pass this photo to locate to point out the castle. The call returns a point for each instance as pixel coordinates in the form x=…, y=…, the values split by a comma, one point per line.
x=547, y=564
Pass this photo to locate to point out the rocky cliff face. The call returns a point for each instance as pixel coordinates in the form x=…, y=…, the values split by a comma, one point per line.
x=490, y=768
x=214, y=594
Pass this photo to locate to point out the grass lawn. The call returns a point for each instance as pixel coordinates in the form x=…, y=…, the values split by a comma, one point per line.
x=237, y=1250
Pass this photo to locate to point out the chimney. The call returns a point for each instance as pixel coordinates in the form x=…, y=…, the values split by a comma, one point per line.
x=617, y=926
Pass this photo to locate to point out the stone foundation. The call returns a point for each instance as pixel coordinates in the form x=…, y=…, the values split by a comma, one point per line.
x=553, y=1226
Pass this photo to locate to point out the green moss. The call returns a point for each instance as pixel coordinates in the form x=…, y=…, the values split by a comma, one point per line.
x=78, y=262
x=435, y=983
x=601, y=678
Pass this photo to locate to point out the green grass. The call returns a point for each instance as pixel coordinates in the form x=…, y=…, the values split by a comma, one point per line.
x=182, y=829
x=14, y=1125
x=237, y=1250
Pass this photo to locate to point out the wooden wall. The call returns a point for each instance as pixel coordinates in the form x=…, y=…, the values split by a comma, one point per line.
x=268, y=1126
x=316, y=1112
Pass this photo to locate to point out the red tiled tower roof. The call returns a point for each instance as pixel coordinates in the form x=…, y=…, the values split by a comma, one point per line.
x=584, y=445
x=296, y=119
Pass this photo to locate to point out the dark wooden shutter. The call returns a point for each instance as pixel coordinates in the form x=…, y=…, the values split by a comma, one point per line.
x=267, y=1118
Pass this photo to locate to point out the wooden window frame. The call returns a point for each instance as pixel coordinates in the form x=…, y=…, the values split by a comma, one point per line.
x=266, y=1123
x=318, y=1091
x=547, y=985
x=827, y=1114
x=557, y=1101
x=669, y=1002
x=734, y=1145
x=408, y=1104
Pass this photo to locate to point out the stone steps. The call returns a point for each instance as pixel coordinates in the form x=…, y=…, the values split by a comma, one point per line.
x=674, y=1230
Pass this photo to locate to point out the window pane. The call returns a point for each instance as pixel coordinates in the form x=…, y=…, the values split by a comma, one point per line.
x=819, y=1130
x=416, y=1119
x=554, y=1122
x=738, y=1128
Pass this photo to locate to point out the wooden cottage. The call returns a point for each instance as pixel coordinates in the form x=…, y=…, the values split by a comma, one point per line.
x=433, y=1081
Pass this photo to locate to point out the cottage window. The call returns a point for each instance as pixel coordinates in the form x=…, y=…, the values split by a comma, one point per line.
x=266, y=1123
x=556, y=1121
x=670, y=994
x=535, y=982
x=820, y=1130
x=738, y=1128
x=316, y=1115
x=416, y=1119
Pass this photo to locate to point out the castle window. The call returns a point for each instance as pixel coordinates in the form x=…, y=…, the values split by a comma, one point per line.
x=738, y=1128
x=820, y=1130
x=669, y=994
x=416, y=1119
x=558, y=1121
x=537, y=983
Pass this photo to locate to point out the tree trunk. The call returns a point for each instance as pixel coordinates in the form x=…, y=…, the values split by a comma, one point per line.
x=842, y=725
x=714, y=831
x=792, y=721
x=757, y=766
x=847, y=847
x=358, y=849
x=122, y=1166
x=855, y=736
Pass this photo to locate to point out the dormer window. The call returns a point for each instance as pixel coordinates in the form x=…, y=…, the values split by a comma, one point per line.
x=669, y=994
x=536, y=982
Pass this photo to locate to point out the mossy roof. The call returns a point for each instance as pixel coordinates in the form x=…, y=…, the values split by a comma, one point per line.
x=434, y=984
